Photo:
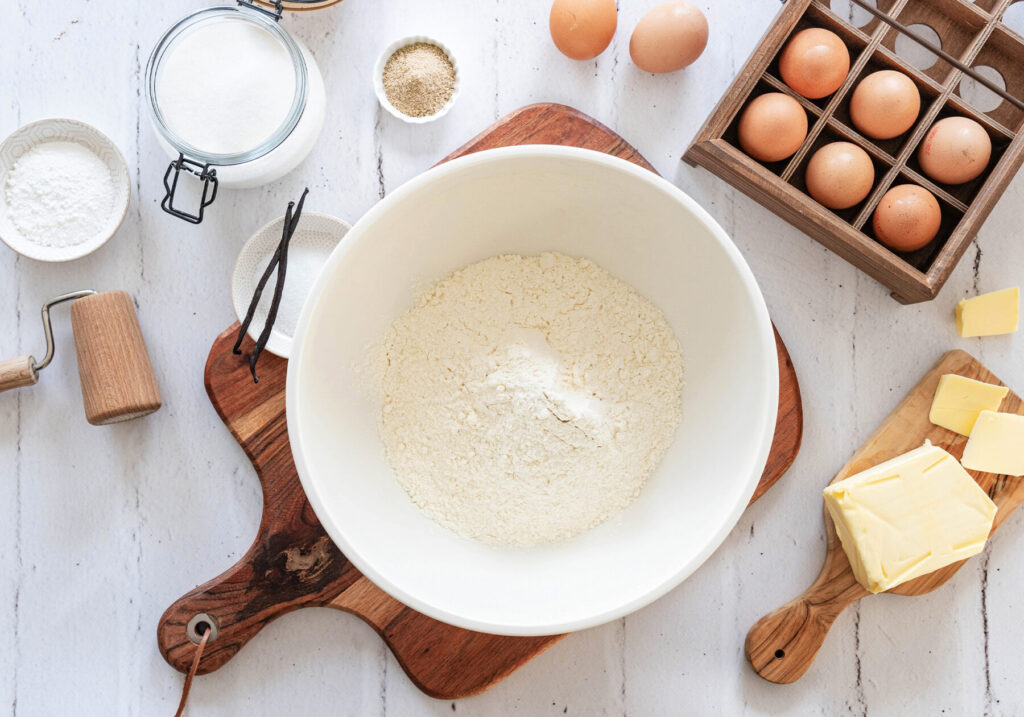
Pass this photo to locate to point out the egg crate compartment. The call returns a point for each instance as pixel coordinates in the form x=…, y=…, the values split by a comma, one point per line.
x=974, y=35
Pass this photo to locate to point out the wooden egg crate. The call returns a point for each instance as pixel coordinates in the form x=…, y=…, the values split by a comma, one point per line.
x=972, y=33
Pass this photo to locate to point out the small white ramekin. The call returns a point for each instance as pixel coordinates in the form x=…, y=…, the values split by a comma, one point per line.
x=378, y=79
x=66, y=130
x=316, y=232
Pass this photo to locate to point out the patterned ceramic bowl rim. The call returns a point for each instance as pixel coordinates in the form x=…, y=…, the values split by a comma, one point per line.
x=61, y=129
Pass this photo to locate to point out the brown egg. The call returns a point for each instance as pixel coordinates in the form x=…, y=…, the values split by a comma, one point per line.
x=772, y=127
x=885, y=104
x=840, y=175
x=814, y=63
x=955, y=150
x=582, y=29
x=907, y=218
x=669, y=37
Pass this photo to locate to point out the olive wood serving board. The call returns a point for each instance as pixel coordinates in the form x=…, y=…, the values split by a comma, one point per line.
x=293, y=563
x=782, y=645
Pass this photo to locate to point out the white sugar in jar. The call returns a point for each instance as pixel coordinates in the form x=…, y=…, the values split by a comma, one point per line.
x=235, y=101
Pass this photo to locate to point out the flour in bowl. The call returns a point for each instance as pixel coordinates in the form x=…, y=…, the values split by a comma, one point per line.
x=525, y=399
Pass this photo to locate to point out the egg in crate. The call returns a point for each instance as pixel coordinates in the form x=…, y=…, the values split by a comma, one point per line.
x=582, y=29
x=814, y=63
x=955, y=150
x=840, y=175
x=772, y=127
x=885, y=104
x=669, y=37
x=907, y=218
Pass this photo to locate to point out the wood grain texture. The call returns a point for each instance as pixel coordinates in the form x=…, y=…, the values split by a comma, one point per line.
x=967, y=32
x=18, y=373
x=550, y=123
x=293, y=564
x=116, y=375
x=782, y=645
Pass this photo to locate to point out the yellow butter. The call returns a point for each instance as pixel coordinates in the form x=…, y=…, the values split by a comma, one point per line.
x=989, y=314
x=996, y=444
x=958, y=401
x=909, y=516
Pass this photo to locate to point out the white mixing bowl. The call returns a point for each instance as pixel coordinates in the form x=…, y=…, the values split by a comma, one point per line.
x=527, y=200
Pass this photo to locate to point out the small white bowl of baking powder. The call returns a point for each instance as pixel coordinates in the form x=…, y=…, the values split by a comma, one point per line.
x=64, y=190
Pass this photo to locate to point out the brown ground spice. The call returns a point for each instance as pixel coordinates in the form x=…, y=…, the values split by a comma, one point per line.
x=419, y=79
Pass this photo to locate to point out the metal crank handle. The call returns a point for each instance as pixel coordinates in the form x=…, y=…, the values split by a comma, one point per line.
x=24, y=370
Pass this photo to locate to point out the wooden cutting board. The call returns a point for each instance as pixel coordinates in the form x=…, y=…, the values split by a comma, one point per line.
x=782, y=645
x=293, y=564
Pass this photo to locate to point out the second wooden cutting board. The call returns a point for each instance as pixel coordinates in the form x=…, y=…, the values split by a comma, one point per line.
x=782, y=645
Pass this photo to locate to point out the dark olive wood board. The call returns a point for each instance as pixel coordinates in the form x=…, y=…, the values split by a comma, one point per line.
x=293, y=564
x=782, y=645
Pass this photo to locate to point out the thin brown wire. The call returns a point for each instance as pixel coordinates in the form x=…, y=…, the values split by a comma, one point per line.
x=927, y=44
x=192, y=672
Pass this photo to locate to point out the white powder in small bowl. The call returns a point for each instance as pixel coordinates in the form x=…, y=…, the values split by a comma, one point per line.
x=306, y=257
x=59, y=194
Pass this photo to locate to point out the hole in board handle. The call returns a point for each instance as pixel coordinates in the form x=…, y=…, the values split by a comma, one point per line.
x=779, y=654
x=199, y=625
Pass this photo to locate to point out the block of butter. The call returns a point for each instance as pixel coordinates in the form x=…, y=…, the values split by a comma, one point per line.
x=989, y=314
x=958, y=401
x=996, y=444
x=909, y=516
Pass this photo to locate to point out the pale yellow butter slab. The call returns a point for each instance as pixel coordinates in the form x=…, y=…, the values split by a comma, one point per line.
x=909, y=516
x=990, y=314
x=958, y=401
x=996, y=444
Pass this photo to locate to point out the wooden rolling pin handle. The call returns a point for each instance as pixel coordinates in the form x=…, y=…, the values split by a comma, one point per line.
x=782, y=645
x=17, y=373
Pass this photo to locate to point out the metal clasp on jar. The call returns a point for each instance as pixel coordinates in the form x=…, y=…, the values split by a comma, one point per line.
x=205, y=174
x=276, y=13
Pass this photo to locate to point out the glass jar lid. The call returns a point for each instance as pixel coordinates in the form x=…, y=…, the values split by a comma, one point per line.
x=211, y=53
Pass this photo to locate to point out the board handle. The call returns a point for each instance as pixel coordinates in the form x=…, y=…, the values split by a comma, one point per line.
x=782, y=645
x=280, y=573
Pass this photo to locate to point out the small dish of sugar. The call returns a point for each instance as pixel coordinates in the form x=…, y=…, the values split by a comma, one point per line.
x=64, y=190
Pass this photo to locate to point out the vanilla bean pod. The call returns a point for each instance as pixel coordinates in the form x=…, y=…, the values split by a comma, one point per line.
x=282, y=269
x=278, y=261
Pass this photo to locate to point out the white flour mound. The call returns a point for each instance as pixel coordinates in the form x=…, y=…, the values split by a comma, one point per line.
x=525, y=399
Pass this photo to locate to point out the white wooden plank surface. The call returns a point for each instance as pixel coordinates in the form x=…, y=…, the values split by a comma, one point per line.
x=100, y=529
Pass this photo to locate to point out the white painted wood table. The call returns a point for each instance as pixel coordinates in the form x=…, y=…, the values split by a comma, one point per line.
x=101, y=528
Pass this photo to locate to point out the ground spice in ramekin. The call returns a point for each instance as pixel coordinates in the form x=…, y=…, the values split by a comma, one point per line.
x=419, y=79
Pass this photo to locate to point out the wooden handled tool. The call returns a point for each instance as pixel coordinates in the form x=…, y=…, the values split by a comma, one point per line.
x=114, y=368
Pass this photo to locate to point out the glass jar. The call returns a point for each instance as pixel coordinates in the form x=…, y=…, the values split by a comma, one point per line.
x=235, y=100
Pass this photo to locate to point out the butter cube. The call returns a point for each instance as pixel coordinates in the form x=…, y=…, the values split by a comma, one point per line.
x=909, y=516
x=989, y=314
x=959, y=400
x=996, y=444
